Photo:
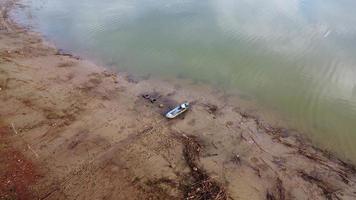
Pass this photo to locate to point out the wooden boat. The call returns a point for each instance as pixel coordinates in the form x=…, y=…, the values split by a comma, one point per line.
x=177, y=110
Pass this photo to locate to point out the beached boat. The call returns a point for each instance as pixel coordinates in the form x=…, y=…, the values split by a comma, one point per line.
x=178, y=110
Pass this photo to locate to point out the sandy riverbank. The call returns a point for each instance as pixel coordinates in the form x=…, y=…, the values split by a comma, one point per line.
x=72, y=130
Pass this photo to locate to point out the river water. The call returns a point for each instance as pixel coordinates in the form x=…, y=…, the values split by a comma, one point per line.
x=294, y=57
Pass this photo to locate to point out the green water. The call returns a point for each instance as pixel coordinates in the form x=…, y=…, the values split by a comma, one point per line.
x=295, y=57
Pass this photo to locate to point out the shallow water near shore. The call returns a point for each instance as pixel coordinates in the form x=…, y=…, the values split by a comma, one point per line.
x=293, y=57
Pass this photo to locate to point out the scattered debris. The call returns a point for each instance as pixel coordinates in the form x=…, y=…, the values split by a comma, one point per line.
x=202, y=186
x=162, y=188
x=166, y=181
x=277, y=192
x=152, y=97
x=311, y=156
x=229, y=124
x=328, y=190
x=236, y=159
x=279, y=161
x=146, y=130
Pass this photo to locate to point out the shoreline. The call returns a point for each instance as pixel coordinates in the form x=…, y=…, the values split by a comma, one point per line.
x=86, y=133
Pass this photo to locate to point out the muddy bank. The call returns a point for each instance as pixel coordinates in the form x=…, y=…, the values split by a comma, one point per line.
x=86, y=133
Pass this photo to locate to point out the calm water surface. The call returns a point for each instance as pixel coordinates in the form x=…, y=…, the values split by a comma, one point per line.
x=296, y=57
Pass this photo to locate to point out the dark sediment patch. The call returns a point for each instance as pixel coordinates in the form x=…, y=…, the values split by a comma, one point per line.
x=211, y=108
x=192, y=122
x=165, y=187
x=65, y=64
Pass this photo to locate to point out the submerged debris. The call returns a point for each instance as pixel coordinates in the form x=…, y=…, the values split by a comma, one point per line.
x=131, y=79
x=62, y=52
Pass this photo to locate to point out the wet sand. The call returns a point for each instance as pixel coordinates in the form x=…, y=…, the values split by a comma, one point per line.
x=70, y=129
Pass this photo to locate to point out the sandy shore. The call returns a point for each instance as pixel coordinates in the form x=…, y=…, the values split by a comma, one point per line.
x=72, y=130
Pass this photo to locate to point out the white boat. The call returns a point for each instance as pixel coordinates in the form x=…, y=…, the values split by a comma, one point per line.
x=178, y=110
